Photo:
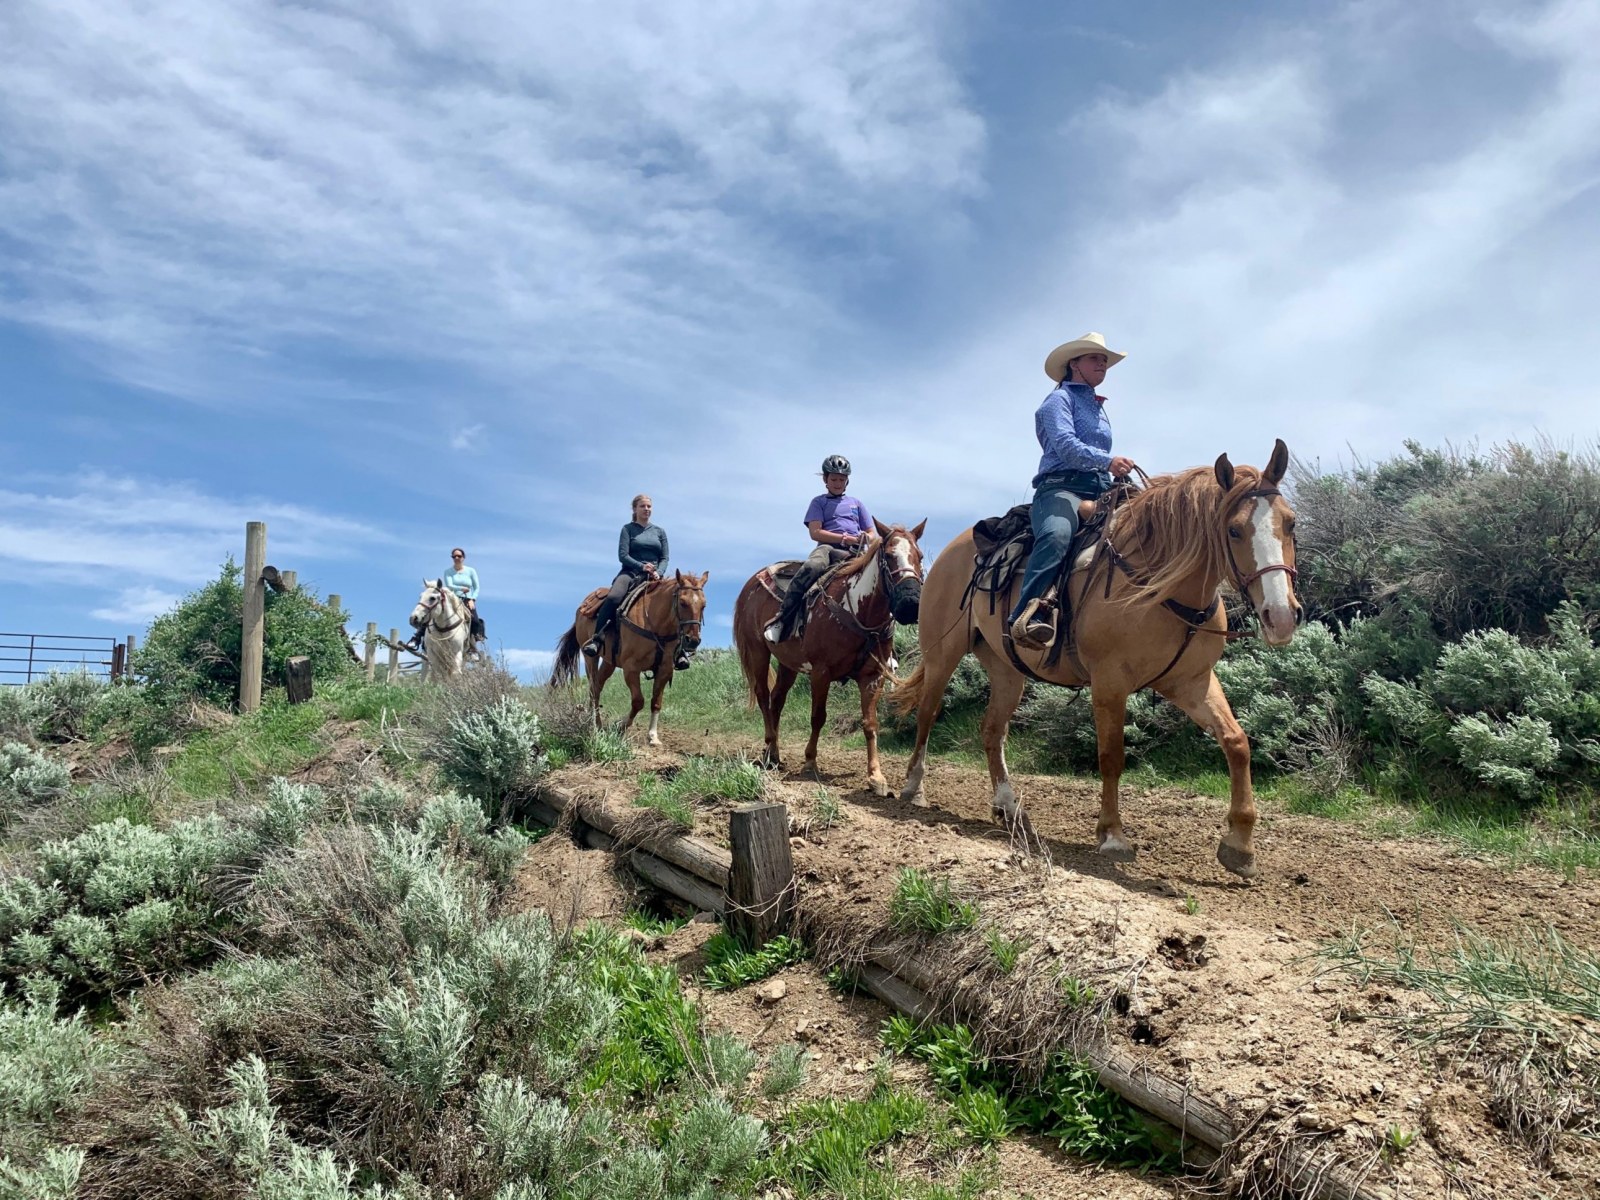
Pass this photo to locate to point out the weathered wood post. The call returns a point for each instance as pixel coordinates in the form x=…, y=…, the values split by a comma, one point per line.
x=297, y=679
x=761, y=879
x=254, y=629
x=334, y=600
x=118, y=660
x=394, y=656
x=372, y=650
x=291, y=580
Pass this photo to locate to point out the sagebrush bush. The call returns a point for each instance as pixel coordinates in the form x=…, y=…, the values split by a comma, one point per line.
x=46, y=1063
x=494, y=753
x=65, y=700
x=117, y=903
x=21, y=710
x=29, y=779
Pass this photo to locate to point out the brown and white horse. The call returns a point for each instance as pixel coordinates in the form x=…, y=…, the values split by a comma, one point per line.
x=661, y=624
x=849, y=634
x=445, y=622
x=1146, y=612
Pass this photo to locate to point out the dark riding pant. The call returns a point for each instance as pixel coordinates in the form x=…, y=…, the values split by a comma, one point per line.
x=620, y=587
x=811, y=570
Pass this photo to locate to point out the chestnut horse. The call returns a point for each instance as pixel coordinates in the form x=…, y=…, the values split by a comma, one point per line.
x=649, y=635
x=849, y=634
x=1145, y=612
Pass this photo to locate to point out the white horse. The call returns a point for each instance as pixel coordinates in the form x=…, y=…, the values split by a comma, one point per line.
x=445, y=622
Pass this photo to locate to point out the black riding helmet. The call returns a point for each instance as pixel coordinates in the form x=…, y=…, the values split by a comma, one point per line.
x=836, y=464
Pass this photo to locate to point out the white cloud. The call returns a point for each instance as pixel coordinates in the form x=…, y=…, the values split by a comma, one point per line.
x=137, y=605
x=467, y=437
x=508, y=187
x=528, y=663
x=172, y=532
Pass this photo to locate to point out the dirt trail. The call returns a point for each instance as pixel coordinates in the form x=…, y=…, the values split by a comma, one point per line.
x=1221, y=986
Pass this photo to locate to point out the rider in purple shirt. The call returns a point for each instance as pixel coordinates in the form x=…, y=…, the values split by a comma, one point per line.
x=840, y=525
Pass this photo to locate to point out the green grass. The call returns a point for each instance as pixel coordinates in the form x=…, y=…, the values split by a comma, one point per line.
x=730, y=965
x=275, y=740
x=645, y=922
x=1006, y=950
x=921, y=904
x=1067, y=1103
x=700, y=780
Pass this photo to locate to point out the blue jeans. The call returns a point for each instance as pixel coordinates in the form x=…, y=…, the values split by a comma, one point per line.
x=1055, y=523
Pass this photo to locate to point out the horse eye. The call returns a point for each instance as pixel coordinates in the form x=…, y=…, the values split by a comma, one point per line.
x=1235, y=534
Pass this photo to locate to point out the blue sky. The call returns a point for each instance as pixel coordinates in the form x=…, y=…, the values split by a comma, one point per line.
x=402, y=274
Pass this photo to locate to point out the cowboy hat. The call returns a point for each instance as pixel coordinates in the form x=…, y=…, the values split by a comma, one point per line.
x=1055, y=363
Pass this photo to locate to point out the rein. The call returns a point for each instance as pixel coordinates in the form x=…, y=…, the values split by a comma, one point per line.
x=870, y=635
x=662, y=641
x=433, y=607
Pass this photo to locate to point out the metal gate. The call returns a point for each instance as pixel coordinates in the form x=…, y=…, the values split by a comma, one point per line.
x=25, y=657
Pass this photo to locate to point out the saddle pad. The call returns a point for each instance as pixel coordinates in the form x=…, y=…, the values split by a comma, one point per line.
x=780, y=575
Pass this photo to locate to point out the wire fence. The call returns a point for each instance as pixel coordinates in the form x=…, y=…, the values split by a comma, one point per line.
x=25, y=657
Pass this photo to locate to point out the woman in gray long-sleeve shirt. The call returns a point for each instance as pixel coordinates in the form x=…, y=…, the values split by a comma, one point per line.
x=642, y=551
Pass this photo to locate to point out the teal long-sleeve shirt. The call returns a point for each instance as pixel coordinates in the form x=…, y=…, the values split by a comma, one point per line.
x=463, y=583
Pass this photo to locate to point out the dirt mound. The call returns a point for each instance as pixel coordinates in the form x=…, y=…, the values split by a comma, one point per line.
x=1216, y=981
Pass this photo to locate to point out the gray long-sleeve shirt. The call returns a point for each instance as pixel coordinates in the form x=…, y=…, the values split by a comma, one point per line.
x=640, y=544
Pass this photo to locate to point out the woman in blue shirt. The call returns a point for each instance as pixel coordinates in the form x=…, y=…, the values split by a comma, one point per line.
x=1077, y=465
x=463, y=581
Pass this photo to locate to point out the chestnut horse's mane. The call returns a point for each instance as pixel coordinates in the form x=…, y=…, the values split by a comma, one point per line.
x=1176, y=528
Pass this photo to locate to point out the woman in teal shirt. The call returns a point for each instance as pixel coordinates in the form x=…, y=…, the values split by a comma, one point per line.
x=463, y=581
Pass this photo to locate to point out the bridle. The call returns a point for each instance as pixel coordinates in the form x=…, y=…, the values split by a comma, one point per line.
x=1240, y=579
x=662, y=641
x=432, y=607
x=889, y=577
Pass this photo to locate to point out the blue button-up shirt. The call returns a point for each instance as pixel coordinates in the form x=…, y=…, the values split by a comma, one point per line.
x=1073, y=431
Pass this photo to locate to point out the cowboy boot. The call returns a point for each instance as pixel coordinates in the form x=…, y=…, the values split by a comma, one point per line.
x=783, y=626
x=602, y=622
x=1035, y=626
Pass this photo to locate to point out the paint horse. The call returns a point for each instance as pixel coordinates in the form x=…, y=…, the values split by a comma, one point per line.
x=1145, y=612
x=655, y=624
x=848, y=634
x=445, y=622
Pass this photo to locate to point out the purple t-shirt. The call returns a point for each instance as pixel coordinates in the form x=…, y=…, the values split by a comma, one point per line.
x=839, y=514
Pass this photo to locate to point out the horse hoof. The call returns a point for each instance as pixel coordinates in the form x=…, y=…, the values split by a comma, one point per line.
x=1241, y=862
x=812, y=771
x=654, y=739
x=916, y=799
x=880, y=787
x=1118, y=850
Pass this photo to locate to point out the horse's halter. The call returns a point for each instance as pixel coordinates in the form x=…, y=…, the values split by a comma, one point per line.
x=1243, y=581
x=677, y=614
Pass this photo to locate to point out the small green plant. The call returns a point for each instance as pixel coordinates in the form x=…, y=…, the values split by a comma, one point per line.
x=29, y=779
x=730, y=965
x=1191, y=904
x=900, y=1034
x=658, y=793
x=983, y=1114
x=605, y=746
x=1078, y=992
x=1396, y=1141
x=785, y=1070
x=493, y=753
x=922, y=905
x=825, y=810
x=1006, y=950
x=646, y=922
x=843, y=979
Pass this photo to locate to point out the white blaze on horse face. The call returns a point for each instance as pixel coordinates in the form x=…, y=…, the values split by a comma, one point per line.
x=1277, y=614
x=900, y=555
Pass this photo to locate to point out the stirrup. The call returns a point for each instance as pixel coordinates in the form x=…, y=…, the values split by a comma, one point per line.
x=1035, y=627
x=593, y=646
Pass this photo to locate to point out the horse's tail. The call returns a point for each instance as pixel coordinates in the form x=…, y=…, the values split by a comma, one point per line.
x=565, y=669
x=755, y=664
x=907, y=694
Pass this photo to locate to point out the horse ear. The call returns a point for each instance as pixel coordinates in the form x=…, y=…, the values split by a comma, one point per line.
x=1224, y=470
x=677, y=574
x=916, y=531
x=883, y=530
x=704, y=575
x=1278, y=464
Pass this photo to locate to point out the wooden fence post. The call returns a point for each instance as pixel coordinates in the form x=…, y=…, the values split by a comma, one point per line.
x=297, y=679
x=291, y=580
x=760, y=881
x=334, y=601
x=372, y=650
x=394, y=656
x=254, y=630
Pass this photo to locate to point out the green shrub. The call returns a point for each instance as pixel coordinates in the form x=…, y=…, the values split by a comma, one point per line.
x=193, y=652
x=28, y=779
x=46, y=1064
x=21, y=712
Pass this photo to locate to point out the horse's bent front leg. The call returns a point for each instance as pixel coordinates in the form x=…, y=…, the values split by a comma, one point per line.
x=1005, y=693
x=1206, y=704
x=598, y=674
x=870, y=690
x=1110, y=714
x=657, y=693
x=819, y=718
